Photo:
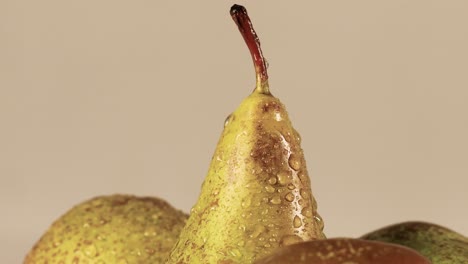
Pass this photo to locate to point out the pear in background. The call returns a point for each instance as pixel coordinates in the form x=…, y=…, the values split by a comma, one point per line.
x=257, y=195
x=117, y=229
x=437, y=243
x=344, y=251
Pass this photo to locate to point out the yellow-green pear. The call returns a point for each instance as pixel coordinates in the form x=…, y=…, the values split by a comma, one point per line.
x=439, y=244
x=116, y=229
x=256, y=196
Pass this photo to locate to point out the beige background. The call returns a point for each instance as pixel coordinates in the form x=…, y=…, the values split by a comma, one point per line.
x=101, y=97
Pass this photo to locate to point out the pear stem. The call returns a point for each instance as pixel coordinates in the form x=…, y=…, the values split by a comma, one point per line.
x=242, y=20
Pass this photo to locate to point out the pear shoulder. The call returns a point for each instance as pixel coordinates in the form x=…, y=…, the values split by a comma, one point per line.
x=111, y=229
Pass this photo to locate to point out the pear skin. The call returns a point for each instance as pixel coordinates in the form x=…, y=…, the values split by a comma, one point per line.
x=439, y=244
x=256, y=196
x=344, y=251
x=119, y=229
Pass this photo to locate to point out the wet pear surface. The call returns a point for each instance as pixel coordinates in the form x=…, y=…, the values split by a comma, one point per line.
x=439, y=244
x=256, y=196
x=113, y=229
x=344, y=251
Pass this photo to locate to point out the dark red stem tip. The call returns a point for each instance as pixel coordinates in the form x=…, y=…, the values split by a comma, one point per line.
x=242, y=20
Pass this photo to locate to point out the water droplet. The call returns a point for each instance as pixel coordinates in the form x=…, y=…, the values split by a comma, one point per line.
x=297, y=222
x=227, y=120
x=270, y=189
x=215, y=192
x=318, y=219
x=298, y=136
x=291, y=186
x=290, y=239
x=272, y=180
x=151, y=231
x=242, y=228
x=241, y=243
x=275, y=200
x=150, y=251
x=246, y=203
x=122, y=261
x=192, y=211
x=235, y=253
x=295, y=162
x=267, y=245
x=304, y=193
x=284, y=178
x=136, y=252
x=307, y=212
x=103, y=221
x=265, y=211
x=278, y=116
x=300, y=202
x=303, y=177
x=90, y=251
x=257, y=231
x=289, y=197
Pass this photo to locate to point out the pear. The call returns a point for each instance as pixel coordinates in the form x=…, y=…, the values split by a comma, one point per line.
x=111, y=229
x=256, y=196
x=344, y=251
x=439, y=244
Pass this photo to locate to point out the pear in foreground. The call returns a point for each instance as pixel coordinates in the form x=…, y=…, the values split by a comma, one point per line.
x=439, y=244
x=257, y=195
x=117, y=229
x=344, y=251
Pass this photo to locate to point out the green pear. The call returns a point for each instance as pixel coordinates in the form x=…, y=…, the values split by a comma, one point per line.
x=344, y=251
x=256, y=196
x=439, y=244
x=111, y=229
